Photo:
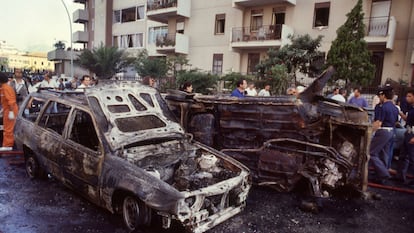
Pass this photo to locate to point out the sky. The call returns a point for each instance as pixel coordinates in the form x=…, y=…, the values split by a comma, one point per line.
x=35, y=25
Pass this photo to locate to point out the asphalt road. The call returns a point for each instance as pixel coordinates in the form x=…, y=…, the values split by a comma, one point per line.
x=47, y=206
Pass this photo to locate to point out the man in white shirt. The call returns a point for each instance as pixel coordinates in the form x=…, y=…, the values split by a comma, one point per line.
x=48, y=82
x=340, y=97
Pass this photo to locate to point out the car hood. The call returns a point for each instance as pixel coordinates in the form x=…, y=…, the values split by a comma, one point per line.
x=129, y=113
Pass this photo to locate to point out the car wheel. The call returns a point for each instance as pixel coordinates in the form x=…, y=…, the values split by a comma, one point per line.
x=135, y=213
x=33, y=169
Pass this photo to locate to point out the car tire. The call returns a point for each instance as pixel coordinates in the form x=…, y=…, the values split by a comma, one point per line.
x=135, y=213
x=33, y=168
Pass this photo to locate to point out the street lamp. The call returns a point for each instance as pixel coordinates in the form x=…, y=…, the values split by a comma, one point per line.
x=71, y=43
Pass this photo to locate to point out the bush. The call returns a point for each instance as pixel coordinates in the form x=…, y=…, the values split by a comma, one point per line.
x=202, y=82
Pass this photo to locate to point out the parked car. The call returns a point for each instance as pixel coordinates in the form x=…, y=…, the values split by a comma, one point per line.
x=288, y=142
x=118, y=145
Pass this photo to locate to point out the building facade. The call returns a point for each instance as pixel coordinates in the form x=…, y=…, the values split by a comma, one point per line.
x=11, y=58
x=222, y=36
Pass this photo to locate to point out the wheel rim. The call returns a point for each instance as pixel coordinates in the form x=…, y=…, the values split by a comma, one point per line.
x=131, y=212
x=31, y=167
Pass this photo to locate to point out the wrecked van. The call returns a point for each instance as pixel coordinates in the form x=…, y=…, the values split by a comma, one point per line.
x=118, y=145
x=287, y=142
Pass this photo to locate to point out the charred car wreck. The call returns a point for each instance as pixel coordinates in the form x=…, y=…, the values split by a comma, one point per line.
x=118, y=145
x=285, y=141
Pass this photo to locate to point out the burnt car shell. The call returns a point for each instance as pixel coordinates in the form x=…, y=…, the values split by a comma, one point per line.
x=284, y=140
x=118, y=145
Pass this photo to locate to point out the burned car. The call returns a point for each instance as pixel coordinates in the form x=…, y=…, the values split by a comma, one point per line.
x=118, y=145
x=288, y=142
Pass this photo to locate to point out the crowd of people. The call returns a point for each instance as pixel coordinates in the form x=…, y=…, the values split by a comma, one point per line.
x=387, y=116
x=243, y=89
x=14, y=89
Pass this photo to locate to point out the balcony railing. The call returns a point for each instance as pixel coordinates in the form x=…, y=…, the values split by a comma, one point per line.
x=376, y=26
x=265, y=32
x=165, y=40
x=172, y=43
x=155, y=5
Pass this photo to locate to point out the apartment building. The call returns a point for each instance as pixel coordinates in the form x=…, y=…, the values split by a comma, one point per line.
x=221, y=36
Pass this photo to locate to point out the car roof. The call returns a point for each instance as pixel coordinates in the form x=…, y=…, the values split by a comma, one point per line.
x=75, y=97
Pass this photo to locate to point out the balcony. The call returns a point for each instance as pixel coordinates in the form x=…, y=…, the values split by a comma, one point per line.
x=252, y=3
x=380, y=31
x=61, y=55
x=80, y=37
x=162, y=10
x=80, y=1
x=172, y=43
x=265, y=37
x=80, y=16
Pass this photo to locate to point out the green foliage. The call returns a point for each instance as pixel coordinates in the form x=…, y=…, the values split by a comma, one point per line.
x=279, y=79
x=300, y=55
x=231, y=79
x=202, y=82
x=4, y=63
x=105, y=62
x=176, y=64
x=155, y=67
x=349, y=53
x=59, y=45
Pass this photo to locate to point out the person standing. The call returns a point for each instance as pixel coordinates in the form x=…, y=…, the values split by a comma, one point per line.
x=265, y=91
x=49, y=82
x=340, y=97
x=386, y=115
x=85, y=82
x=187, y=87
x=251, y=90
x=357, y=99
x=9, y=104
x=407, y=148
x=241, y=86
x=20, y=86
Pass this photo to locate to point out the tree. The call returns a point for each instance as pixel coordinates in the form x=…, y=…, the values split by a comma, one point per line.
x=280, y=67
x=155, y=67
x=202, y=82
x=105, y=62
x=176, y=64
x=349, y=53
x=59, y=45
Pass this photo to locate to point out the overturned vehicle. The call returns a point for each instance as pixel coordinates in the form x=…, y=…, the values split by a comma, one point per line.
x=287, y=142
x=118, y=145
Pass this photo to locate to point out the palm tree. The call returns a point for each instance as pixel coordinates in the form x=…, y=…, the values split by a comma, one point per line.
x=105, y=62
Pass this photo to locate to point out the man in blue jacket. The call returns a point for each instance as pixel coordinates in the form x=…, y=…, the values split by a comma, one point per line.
x=240, y=89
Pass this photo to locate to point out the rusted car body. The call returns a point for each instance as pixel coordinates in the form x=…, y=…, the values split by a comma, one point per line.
x=287, y=142
x=118, y=145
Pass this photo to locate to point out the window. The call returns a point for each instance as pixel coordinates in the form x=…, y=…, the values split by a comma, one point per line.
x=128, y=15
x=217, y=63
x=128, y=41
x=321, y=18
x=180, y=27
x=156, y=32
x=54, y=117
x=140, y=12
x=256, y=20
x=138, y=123
x=83, y=131
x=252, y=61
x=220, y=23
x=117, y=16
x=33, y=109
